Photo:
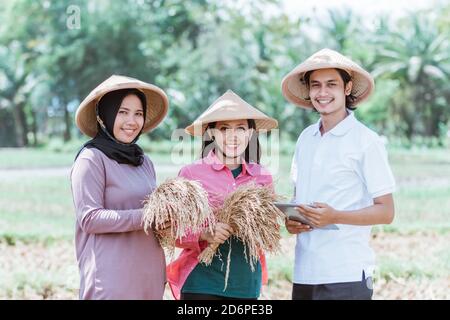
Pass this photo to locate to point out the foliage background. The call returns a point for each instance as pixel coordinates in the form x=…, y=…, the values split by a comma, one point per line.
x=52, y=53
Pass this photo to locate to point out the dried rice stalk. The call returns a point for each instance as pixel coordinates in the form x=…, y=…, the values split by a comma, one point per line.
x=250, y=211
x=184, y=203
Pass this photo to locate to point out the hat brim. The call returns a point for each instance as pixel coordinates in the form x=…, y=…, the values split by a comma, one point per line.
x=296, y=91
x=229, y=107
x=157, y=106
x=198, y=127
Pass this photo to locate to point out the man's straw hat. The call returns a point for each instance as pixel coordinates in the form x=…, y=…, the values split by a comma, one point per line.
x=294, y=88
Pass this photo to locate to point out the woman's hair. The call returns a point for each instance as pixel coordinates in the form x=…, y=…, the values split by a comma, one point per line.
x=349, y=100
x=251, y=154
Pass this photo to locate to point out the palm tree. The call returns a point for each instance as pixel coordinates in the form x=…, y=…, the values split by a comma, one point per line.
x=418, y=56
x=339, y=27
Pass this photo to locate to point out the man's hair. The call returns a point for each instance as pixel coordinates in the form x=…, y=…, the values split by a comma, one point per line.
x=349, y=100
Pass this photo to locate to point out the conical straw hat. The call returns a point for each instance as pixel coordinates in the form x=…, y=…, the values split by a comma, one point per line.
x=157, y=103
x=294, y=88
x=230, y=106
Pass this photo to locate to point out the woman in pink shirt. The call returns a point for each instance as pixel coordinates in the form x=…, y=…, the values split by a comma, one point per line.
x=230, y=157
x=110, y=179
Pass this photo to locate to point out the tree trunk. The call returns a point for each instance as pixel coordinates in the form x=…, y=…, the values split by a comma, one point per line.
x=435, y=115
x=409, y=121
x=68, y=124
x=23, y=119
x=20, y=125
x=18, y=128
x=34, y=128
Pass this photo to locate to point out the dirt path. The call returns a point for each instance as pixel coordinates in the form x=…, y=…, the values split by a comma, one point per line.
x=12, y=174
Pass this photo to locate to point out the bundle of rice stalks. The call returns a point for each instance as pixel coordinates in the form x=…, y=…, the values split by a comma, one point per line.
x=183, y=203
x=250, y=211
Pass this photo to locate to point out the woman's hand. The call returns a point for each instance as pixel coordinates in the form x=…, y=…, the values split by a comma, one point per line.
x=164, y=230
x=221, y=233
x=166, y=225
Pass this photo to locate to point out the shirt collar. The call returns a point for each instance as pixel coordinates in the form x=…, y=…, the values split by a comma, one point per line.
x=217, y=165
x=316, y=128
x=341, y=128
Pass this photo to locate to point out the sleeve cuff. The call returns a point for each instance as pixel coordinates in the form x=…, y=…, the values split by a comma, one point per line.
x=383, y=192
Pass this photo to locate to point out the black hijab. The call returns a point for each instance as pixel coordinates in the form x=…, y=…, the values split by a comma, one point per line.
x=106, y=110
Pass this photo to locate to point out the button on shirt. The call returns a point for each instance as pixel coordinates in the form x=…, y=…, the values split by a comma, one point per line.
x=346, y=168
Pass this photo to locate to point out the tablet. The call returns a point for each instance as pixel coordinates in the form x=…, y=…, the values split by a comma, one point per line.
x=289, y=209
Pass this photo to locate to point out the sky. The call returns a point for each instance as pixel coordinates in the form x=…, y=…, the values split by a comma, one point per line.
x=366, y=8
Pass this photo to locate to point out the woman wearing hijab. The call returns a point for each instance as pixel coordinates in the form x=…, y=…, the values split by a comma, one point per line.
x=110, y=179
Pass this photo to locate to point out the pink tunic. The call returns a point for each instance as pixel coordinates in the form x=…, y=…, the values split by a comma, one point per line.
x=116, y=259
x=218, y=181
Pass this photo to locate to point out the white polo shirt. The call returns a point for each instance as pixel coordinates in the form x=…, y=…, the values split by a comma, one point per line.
x=346, y=168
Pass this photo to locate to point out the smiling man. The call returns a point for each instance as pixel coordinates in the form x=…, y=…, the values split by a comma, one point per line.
x=341, y=175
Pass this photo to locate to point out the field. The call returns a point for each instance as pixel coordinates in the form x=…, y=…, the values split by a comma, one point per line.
x=37, y=257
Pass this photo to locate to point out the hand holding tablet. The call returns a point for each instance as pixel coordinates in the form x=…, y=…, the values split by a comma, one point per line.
x=291, y=212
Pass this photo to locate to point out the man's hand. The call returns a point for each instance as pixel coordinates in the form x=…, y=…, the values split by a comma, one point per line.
x=295, y=227
x=320, y=214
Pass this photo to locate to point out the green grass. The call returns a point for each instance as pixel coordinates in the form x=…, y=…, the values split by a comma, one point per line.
x=280, y=268
x=40, y=210
x=19, y=158
x=421, y=267
x=36, y=208
x=11, y=158
x=393, y=268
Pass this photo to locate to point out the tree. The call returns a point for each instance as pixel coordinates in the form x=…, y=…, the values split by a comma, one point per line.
x=418, y=56
x=340, y=28
x=20, y=46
